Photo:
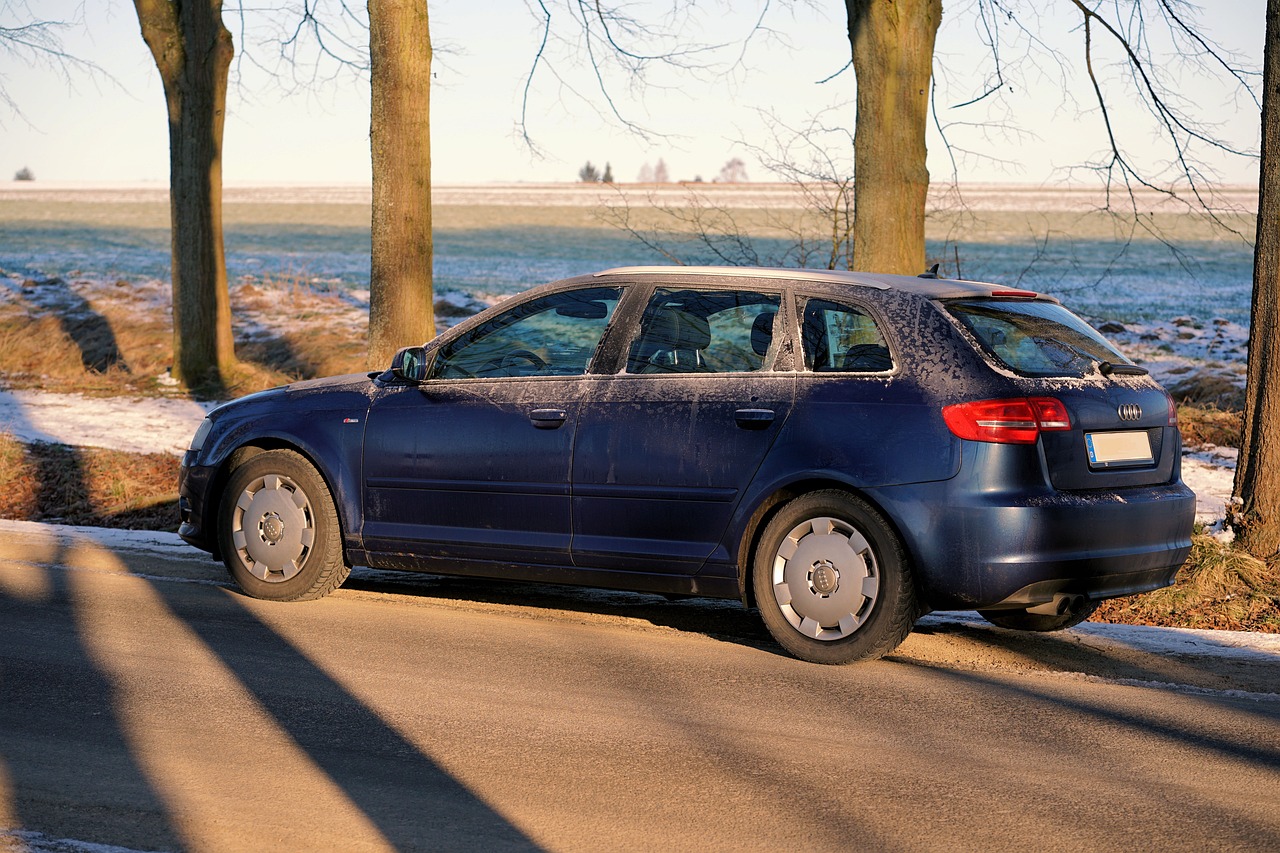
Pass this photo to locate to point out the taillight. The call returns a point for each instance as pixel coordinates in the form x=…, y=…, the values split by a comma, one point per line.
x=1173, y=410
x=1016, y=421
x=1050, y=413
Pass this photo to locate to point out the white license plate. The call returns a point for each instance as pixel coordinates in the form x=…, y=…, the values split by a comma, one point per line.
x=1113, y=449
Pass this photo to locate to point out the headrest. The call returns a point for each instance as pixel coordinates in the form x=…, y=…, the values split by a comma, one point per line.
x=762, y=332
x=679, y=330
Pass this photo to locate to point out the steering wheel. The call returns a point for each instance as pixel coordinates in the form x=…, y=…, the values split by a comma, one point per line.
x=510, y=360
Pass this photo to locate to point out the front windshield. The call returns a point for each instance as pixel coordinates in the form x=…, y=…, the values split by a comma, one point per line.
x=1034, y=338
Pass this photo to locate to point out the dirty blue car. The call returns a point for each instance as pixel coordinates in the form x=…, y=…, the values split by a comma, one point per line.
x=842, y=451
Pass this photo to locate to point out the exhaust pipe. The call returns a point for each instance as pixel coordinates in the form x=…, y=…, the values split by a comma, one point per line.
x=1061, y=604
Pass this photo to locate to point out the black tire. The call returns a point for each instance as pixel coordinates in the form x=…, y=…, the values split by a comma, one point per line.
x=832, y=581
x=278, y=529
x=1021, y=620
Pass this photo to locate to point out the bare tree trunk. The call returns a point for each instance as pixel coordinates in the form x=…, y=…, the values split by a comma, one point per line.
x=193, y=52
x=1256, y=519
x=892, y=42
x=400, y=303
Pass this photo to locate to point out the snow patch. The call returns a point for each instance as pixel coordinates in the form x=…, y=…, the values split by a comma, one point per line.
x=37, y=842
x=1210, y=472
x=1175, y=349
x=146, y=425
x=150, y=541
x=1237, y=645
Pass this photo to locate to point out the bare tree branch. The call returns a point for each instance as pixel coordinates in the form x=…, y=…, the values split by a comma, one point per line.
x=621, y=50
x=1136, y=53
x=1178, y=131
x=533, y=70
x=1245, y=77
x=831, y=77
x=38, y=42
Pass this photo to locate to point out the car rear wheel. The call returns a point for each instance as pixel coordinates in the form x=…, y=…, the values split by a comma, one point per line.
x=278, y=529
x=832, y=581
x=1021, y=620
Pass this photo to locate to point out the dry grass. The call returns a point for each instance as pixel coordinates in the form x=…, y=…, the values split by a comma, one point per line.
x=318, y=336
x=973, y=225
x=1210, y=425
x=1203, y=388
x=118, y=339
x=102, y=488
x=112, y=354
x=1219, y=588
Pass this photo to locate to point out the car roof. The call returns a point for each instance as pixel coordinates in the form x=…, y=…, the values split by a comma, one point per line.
x=929, y=286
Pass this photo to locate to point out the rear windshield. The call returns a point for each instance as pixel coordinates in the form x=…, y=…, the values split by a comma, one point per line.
x=1034, y=338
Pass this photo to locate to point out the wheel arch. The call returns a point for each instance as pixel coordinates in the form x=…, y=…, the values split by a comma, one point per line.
x=769, y=506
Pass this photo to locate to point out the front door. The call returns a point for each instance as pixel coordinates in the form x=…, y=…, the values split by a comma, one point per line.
x=474, y=463
x=471, y=470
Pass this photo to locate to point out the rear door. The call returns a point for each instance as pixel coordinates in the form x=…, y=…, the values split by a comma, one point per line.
x=665, y=448
x=860, y=416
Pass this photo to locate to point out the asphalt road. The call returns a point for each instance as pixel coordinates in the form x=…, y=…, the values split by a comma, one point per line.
x=145, y=705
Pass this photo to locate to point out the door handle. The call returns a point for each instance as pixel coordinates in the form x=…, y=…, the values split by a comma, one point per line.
x=548, y=418
x=753, y=418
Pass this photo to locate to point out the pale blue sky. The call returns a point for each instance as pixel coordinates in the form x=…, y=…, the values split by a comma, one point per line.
x=111, y=126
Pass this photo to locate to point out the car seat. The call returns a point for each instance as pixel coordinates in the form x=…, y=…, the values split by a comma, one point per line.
x=674, y=343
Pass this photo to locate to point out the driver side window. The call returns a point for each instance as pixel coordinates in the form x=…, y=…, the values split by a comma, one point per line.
x=554, y=335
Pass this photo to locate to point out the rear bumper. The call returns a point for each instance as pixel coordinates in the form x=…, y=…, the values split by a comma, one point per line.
x=993, y=550
x=1095, y=588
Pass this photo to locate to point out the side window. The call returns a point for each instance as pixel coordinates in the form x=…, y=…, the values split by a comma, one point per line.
x=705, y=331
x=555, y=335
x=840, y=338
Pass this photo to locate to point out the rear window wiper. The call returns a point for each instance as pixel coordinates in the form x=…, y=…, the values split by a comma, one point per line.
x=1119, y=368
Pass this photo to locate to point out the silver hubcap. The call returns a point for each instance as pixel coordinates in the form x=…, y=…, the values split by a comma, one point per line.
x=825, y=578
x=273, y=528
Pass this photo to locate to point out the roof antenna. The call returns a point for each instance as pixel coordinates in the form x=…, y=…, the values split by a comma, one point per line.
x=931, y=272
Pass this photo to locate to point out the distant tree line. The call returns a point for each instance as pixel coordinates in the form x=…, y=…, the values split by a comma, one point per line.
x=733, y=172
x=589, y=174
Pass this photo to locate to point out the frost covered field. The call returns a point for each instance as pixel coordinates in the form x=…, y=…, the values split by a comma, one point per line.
x=493, y=240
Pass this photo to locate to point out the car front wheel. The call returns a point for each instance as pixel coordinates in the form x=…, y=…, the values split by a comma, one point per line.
x=278, y=529
x=832, y=581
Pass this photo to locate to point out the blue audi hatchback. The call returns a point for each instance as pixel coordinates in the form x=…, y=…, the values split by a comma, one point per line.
x=842, y=451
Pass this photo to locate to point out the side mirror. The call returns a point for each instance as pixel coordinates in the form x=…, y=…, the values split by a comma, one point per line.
x=409, y=364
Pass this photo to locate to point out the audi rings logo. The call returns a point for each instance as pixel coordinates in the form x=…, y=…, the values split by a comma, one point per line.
x=1129, y=412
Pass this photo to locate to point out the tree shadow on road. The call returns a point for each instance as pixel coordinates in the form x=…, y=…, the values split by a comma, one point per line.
x=72, y=769
x=1075, y=652
x=413, y=802
x=933, y=642
x=719, y=619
